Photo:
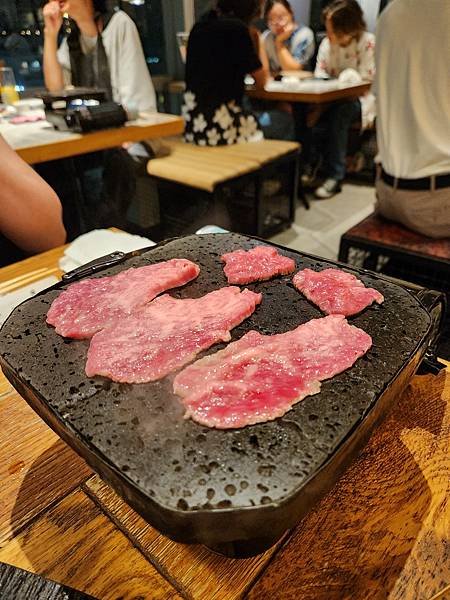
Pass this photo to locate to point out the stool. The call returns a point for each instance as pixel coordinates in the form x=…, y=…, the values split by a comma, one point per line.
x=393, y=250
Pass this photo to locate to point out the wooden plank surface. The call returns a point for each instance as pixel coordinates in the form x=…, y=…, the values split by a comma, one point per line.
x=383, y=532
x=31, y=269
x=310, y=97
x=199, y=573
x=36, y=467
x=53, y=145
x=74, y=543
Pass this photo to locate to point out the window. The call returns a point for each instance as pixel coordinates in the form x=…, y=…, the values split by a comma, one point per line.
x=21, y=40
x=21, y=36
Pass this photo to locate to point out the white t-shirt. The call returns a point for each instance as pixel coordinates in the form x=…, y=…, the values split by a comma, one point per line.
x=359, y=55
x=413, y=88
x=130, y=78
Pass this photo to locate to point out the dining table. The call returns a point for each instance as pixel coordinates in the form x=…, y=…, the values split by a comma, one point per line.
x=37, y=142
x=382, y=532
x=308, y=91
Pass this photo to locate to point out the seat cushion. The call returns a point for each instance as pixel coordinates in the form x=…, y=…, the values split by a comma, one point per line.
x=375, y=229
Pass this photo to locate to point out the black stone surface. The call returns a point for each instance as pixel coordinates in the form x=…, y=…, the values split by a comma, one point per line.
x=180, y=467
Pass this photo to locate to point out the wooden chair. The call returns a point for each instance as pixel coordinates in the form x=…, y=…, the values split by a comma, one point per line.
x=249, y=188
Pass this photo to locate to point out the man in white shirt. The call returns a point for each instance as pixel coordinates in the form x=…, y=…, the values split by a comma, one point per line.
x=413, y=107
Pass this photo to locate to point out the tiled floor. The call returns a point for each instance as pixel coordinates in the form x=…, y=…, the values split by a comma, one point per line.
x=318, y=230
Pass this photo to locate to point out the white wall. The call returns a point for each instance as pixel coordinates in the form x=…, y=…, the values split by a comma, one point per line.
x=302, y=10
x=371, y=8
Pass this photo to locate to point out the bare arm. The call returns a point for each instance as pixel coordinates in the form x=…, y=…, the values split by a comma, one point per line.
x=285, y=58
x=260, y=77
x=263, y=55
x=30, y=211
x=53, y=73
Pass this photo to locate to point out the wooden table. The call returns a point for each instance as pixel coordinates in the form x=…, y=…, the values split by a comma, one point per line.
x=382, y=533
x=310, y=97
x=39, y=142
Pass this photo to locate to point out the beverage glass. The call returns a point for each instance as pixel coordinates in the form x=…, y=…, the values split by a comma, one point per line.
x=182, y=38
x=8, y=92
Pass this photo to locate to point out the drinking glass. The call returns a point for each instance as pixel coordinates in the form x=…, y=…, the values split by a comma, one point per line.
x=182, y=38
x=8, y=92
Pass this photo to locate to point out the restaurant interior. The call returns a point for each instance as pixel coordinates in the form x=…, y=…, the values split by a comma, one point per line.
x=224, y=299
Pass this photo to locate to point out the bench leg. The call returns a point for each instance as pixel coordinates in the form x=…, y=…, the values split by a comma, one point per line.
x=299, y=189
x=344, y=248
x=258, y=212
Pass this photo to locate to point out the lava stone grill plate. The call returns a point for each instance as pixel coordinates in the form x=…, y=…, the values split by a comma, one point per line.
x=236, y=491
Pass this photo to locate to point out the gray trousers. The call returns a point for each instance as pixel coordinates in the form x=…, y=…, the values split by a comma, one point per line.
x=427, y=211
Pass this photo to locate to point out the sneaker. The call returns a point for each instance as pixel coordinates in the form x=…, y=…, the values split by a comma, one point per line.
x=329, y=188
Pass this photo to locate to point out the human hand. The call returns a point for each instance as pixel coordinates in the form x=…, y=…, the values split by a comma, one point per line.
x=52, y=18
x=288, y=30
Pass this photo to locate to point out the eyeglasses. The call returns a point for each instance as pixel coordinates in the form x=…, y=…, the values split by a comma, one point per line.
x=279, y=21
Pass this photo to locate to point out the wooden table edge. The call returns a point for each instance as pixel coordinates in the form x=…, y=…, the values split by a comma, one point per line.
x=310, y=97
x=99, y=140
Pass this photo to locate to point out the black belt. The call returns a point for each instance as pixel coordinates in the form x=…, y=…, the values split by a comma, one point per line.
x=425, y=183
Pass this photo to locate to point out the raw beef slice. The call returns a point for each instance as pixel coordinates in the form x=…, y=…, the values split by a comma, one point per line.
x=260, y=377
x=91, y=304
x=259, y=264
x=336, y=292
x=167, y=334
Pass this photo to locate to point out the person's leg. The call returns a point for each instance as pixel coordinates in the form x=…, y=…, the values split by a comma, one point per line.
x=276, y=125
x=340, y=117
x=338, y=120
x=308, y=137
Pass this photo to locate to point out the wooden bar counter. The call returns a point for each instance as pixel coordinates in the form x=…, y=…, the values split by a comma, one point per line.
x=383, y=532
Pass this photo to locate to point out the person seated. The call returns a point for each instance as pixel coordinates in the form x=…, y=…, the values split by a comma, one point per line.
x=347, y=46
x=30, y=211
x=289, y=47
x=413, y=124
x=221, y=52
x=101, y=50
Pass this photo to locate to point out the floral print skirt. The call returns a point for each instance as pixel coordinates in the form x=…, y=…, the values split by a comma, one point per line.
x=223, y=125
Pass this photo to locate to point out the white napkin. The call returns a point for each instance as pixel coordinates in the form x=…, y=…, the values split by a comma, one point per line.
x=8, y=302
x=211, y=229
x=313, y=86
x=350, y=77
x=97, y=243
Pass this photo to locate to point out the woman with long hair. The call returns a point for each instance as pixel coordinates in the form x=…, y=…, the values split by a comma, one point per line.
x=100, y=48
x=222, y=50
x=348, y=46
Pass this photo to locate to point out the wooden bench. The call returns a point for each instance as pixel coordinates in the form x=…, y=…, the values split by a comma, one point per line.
x=249, y=188
x=382, y=245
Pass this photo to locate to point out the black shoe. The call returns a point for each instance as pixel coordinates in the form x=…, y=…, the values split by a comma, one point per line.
x=309, y=174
